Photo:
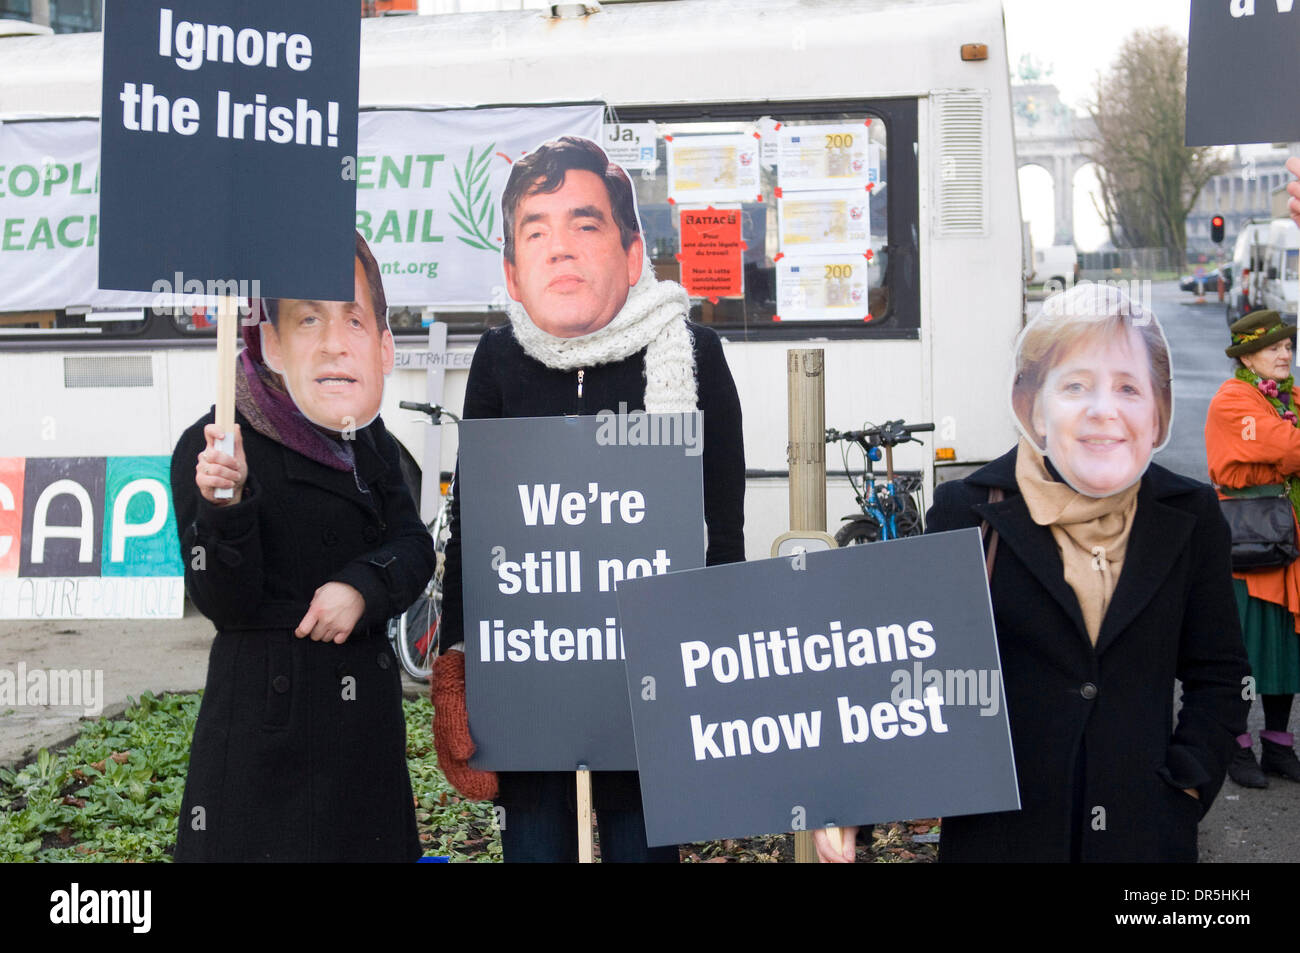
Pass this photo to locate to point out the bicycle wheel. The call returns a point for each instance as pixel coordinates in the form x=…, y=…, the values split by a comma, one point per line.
x=908, y=520
x=858, y=532
x=414, y=634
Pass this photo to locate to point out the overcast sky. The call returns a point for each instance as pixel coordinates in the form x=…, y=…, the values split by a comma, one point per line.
x=1080, y=38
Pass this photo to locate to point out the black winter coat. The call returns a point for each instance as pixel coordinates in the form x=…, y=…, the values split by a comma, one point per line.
x=505, y=382
x=1100, y=761
x=299, y=753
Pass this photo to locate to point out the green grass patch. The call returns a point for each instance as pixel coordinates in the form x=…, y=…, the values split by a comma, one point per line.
x=115, y=793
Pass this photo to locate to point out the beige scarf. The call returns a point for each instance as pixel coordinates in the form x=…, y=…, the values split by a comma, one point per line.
x=1091, y=534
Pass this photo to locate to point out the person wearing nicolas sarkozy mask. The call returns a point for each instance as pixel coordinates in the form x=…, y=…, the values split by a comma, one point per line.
x=299, y=753
x=591, y=329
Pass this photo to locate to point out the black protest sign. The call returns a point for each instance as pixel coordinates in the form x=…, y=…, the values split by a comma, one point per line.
x=842, y=687
x=1242, y=72
x=555, y=513
x=228, y=142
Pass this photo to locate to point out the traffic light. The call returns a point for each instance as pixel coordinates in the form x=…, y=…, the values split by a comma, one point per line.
x=1216, y=229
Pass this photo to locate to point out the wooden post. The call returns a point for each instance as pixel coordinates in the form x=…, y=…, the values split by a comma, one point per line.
x=806, y=454
x=227, y=344
x=586, y=850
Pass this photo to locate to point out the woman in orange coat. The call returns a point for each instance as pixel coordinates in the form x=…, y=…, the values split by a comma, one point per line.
x=1251, y=439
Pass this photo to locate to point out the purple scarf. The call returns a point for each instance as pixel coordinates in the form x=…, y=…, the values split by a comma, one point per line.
x=261, y=398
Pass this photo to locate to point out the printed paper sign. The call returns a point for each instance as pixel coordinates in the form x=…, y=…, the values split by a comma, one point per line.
x=228, y=134
x=825, y=157
x=712, y=255
x=630, y=144
x=828, y=688
x=710, y=169
x=555, y=513
x=819, y=289
x=825, y=223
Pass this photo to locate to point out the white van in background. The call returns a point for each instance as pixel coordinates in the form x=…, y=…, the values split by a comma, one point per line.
x=1282, y=267
x=1058, y=264
x=1248, y=270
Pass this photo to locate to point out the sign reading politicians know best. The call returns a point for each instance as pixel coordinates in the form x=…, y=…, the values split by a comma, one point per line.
x=1228, y=37
x=89, y=538
x=825, y=689
x=228, y=146
x=555, y=513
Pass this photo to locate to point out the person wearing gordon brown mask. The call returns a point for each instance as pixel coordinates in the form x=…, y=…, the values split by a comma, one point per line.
x=590, y=329
x=319, y=544
x=1109, y=578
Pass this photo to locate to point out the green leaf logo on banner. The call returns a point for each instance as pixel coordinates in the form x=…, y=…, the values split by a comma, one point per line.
x=474, y=201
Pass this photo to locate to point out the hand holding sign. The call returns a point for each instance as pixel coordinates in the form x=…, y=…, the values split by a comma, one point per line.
x=1293, y=188
x=221, y=471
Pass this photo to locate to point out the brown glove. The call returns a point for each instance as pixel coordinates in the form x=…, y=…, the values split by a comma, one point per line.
x=451, y=730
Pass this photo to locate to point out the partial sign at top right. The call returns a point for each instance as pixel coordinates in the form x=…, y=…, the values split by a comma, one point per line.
x=1243, y=74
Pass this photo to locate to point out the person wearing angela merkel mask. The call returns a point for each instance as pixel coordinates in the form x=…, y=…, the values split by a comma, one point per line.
x=1109, y=578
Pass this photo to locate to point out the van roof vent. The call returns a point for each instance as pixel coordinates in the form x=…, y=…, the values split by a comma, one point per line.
x=961, y=172
x=571, y=10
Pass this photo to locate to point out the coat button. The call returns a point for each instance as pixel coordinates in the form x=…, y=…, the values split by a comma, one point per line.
x=1088, y=690
x=280, y=683
x=370, y=534
x=329, y=537
x=384, y=660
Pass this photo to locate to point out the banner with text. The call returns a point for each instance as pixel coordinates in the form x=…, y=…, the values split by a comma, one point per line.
x=555, y=513
x=825, y=689
x=229, y=129
x=429, y=195
x=88, y=538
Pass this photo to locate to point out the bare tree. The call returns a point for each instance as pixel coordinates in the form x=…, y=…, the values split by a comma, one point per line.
x=1149, y=180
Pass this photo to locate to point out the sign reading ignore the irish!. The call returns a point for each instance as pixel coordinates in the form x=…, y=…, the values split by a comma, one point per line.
x=555, y=513
x=1242, y=72
x=824, y=689
x=228, y=146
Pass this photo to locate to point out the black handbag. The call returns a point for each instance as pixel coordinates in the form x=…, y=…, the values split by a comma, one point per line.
x=1262, y=524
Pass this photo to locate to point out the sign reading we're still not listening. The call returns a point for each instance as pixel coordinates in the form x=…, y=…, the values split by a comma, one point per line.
x=227, y=129
x=556, y=513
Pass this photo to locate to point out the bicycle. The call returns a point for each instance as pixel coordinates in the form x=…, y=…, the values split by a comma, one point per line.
x=889, y=509
x=414, y=633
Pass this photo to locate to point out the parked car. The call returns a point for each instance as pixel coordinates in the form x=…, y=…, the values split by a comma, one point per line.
x=1207, y=283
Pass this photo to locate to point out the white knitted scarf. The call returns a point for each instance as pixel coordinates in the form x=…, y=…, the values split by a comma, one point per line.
x=654, y=318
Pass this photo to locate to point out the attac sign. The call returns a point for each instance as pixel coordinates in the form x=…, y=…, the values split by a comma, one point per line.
x=228, y=145
x=1230, y=98
x=712, y=255
x=556, y=512
x=824, y=689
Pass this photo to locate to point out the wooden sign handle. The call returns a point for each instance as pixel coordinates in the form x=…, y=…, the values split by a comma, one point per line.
x=586, y=849
x=227, y=344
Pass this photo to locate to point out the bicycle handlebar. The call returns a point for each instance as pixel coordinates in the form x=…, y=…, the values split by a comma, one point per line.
x=435, y=411
x=889, y=434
